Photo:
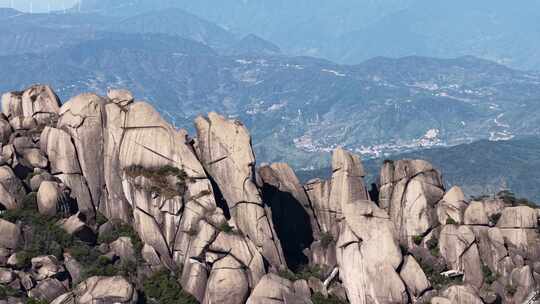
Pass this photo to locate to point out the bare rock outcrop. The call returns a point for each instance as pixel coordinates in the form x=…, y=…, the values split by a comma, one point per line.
x=274, y=289
x=38, y=102
x=452, y=206
x=101, y=290
x=457, y=245
x=410, y=190
x=224, y=148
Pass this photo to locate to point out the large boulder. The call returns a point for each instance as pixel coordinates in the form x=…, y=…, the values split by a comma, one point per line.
x=10, y=234
x=227, y=277
x=123, y=248
x=82, y=118
x=58, y=146
x=452, y=206
x=414, y=277
x=518, y=217
x=367, y=275
x=38, y=102
x=47, y=290
x=105, y=290
x=48, y=198
x=410, y=190
x=326, y=213
x=44, y=267
x=475, y=214
x=224, y=148
x=275, y=289
x=461, y=294
x=457, y=245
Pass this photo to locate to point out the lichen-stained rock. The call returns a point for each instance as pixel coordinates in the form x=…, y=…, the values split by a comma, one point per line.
x=292, y=214
x=58, y=146
x=224, y=148
x=81, y=118
x=461, y=294
x=48, y=198
x=410, y=190
x=368, y=275
x=11, y=189
x=475, y=214
x=518, y=217
x=10, y=234
x=414, y=277
x=227, y=277
x=105, y=290
x=457, y=245
x=452, y=206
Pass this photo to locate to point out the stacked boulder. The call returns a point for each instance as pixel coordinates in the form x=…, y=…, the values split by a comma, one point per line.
x=234, y=233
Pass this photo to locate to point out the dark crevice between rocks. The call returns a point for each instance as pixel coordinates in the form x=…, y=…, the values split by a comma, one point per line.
x=220, y=200
x=374, y=193
x=292, y=224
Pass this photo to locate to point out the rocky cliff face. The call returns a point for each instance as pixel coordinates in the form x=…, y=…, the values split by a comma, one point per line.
x=103, y=201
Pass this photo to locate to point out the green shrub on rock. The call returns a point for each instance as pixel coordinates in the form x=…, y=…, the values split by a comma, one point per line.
x=163, y=288
x=159, y=179
x=318, y=298
x=326, y=239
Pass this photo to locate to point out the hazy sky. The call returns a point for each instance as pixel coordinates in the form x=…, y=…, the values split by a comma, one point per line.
x=38, y=5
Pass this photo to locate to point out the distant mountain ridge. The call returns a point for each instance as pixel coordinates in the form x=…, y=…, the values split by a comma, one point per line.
x=348, y=31
x=300, y=107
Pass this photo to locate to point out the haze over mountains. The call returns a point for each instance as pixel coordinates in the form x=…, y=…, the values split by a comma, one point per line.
x=349, y=31
x=238, y=58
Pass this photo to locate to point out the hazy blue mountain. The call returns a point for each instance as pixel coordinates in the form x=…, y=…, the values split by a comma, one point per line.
x=482, y=167
x=349, y=31
x=497, y=30
x=175, y=21
x=35, y=33
x=299, y=107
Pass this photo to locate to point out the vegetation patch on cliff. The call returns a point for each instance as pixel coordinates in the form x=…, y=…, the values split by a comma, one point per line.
x=163, y=288
x=166, y=181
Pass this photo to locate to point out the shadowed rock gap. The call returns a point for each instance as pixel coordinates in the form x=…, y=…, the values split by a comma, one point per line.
x=218, y=196
x=292, y=224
